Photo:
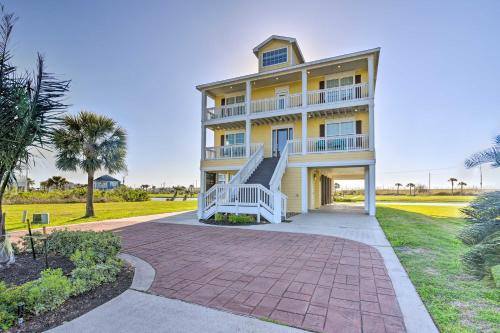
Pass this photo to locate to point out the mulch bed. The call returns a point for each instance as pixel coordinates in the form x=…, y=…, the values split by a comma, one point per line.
x=214, y=222
x=27, y=269
x=78, y=305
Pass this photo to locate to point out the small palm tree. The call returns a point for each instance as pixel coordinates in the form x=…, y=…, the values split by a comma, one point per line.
x=58, y=182
x=410, y=186
x=462, y=184
x=452, y=180
x=398, y=185
x=90, y=142
x=489, y=155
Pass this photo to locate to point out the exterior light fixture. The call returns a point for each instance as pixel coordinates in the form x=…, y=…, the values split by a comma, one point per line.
x=277, y=78
x=231, y=87
x=338, y=66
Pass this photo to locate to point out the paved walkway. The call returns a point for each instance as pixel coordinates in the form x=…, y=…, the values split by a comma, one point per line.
x=320, y=283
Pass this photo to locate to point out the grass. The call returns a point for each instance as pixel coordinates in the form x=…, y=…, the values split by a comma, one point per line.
x=411, y=198
x=424, y=238
x=71, y=213
x=169, y=195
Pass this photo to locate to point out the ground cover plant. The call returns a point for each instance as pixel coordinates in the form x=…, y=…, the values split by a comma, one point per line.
x=71, y=213
x=94, y=255
x=425, y=240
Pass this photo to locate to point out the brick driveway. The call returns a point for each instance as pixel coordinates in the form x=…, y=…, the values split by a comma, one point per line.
x=320, y=283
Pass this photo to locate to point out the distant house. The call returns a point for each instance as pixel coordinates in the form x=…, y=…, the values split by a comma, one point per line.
x=106, y=182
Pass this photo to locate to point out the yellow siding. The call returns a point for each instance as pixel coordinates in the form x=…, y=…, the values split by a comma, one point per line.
x=263, y=134
x=290, y=186
x=294, y=87
x=359, y=155
x=313, y=123
x=223, y=163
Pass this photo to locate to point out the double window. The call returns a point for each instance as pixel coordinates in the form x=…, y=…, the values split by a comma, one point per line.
x=275, y=57
x=234, y=139
x=341, y=128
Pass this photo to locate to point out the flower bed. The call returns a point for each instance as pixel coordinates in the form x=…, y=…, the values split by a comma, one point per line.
x=94, y=256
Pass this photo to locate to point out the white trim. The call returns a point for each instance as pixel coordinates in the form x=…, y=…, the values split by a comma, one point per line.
x=331, y=163
x=339, y=121
x=281, y=90
x=234, y=94
x=223, y=168
x=304, y=190
x=316, y=63
x=279, y=63
x=278, y=127
x=340, y=75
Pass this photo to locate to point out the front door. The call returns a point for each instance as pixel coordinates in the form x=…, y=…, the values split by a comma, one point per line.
x=280, y=138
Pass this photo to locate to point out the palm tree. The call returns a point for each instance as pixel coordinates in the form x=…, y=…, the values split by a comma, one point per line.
x=462, y=184
x=398, y=185
x=90, y=142
x=410, y=186
x=29, y=183
x=57, y=181
x=452, y=180
x=30, y=108
x=489, y=155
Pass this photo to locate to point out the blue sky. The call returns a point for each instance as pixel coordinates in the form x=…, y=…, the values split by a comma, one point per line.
x=139, y=61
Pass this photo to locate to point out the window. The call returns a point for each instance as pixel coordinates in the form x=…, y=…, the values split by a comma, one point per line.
x=235, y=99
x=341, y=128
x=344, y=81
x=274, y=57
x=221, y=178
x=234, y=139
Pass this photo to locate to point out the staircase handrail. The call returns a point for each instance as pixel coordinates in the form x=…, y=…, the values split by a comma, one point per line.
x=249, y=167
x=275, y=181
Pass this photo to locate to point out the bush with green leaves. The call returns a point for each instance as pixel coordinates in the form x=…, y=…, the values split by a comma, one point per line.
x=219, y=217
x=130, y=194
x=482, y=233
x=241, y=218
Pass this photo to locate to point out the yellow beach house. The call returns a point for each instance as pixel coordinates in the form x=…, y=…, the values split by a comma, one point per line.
x=284, y=135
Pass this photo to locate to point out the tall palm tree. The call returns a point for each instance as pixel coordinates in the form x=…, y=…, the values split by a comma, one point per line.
x=30, y=107
x=410, y=186
x=90, y=142
x=462, y=184
x=57, y=181
x=452, y=180
x=398, y=185
x=489, y=155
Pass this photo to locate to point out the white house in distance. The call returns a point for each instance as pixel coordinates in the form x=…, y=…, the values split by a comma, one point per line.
x=106, y=182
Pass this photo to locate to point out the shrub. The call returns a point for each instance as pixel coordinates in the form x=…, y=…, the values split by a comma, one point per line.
x=219, y=217
x=495, y=273
x=233, y=218
x=483, y=233
x=130, y=194
x=65, y=243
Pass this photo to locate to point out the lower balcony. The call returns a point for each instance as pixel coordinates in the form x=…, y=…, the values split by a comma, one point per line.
x=334, y=144
x=228, y=152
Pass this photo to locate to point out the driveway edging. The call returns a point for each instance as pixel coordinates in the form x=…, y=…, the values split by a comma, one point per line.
x=144, y=273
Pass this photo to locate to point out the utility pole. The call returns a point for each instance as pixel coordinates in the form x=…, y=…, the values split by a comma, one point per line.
x=429, y=182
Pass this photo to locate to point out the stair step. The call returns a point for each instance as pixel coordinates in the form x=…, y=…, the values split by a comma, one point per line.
x=262, y=175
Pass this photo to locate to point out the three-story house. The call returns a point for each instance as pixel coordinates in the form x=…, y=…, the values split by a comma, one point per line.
x=284, y=135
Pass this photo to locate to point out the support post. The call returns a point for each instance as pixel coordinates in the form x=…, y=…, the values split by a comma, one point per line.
x=203, y=130
x=304, y=87
x=248, y=138
x=303, y=189
x=367, y=190
x=248, y=97
x=371, y=126
x=277, y=207
x=371, y=175
x=201, y=194
x=371, y=77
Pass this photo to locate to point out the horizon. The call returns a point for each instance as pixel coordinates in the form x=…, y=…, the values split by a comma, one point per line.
x=144, y=74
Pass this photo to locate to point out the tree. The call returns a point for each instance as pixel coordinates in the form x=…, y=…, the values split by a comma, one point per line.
x=410, y=186
x=30, y=108
x=452, y=180
x=57, y=181
x=398, y=185
x=90, y=142
x=191, y=190
x=462, y=184
x=29, y=183
x=145, y=187
x=44, y=186
x=489, y=155
x=336, y=186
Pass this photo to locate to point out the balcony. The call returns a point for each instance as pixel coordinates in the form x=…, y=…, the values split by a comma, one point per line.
x=316, y=99
x=229, y=152
x=343, y=143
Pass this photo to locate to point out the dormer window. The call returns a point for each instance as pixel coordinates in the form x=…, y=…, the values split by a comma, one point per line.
x=275, y=57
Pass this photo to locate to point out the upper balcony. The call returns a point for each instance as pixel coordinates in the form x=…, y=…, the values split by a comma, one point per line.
x=321, y=98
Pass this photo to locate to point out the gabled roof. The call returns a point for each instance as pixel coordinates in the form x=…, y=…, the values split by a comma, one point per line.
x=106, y=178
x=291, y=40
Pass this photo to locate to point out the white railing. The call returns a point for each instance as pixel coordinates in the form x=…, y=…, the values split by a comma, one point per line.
x=340, y=143
x=275, y=181
x=276, y=103
x=249, y=167
x=228, y=152
x=338, y=94
x=284, y=202
x=225, y=111
x=295, y=146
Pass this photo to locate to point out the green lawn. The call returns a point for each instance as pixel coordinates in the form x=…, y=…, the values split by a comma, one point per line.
x=71, y=213
x=424, y=238
x=411, y=198
x=169, y=195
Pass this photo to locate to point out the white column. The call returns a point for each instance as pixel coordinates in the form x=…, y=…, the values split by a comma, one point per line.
x=248, y=137
x=371, y=180
x=201, y=200
x=304, y=87
x=248, y=97
x=203, y=130
x=366, y=193
x=304, y=132
x=277, y=207
x=371, y=126
x=303, y=189
x=371, y=77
